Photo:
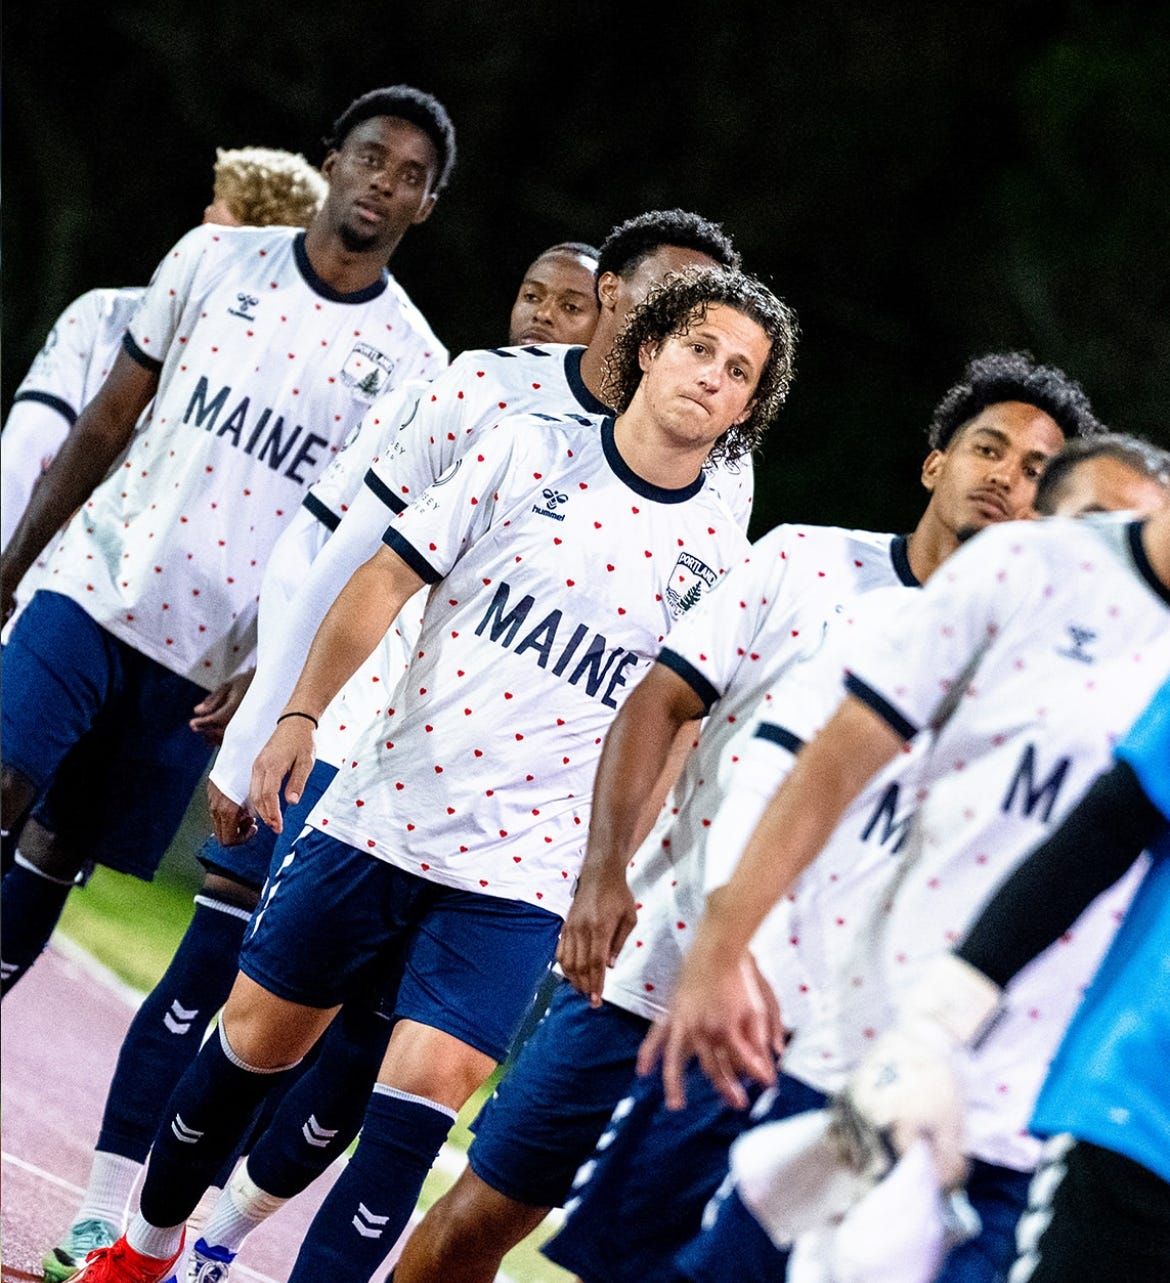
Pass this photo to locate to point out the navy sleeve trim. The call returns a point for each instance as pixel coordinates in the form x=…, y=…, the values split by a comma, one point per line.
x=411, y=555
x=900, y=556
x=135, y=353
x=577, y=384
x=53, y=402
x=326, y=516
x=690, y=674
x=780, y=735
x=383, y=491
x=1141, y=560
x=881, y=706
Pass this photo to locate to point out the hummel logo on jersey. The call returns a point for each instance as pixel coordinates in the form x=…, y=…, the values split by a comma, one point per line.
x=317, y=1136
x=178, y=1019
x=1080, y=638
x=188, y=1135
x=246, y=303
x=367, y=1224
x=686, y=583
x=366, y=371
x=551, y=499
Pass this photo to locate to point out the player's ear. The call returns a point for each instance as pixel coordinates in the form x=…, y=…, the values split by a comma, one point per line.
x=608, y=285
x=747, y=413
x=424, y=210
x=931, y=467
x=327, y=165
x=646, y=354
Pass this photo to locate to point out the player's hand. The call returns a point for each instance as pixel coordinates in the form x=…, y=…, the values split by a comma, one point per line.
x=233, y=823
x=600, y=919
x=725, y=1014
x=213, y=713
x=287, y=755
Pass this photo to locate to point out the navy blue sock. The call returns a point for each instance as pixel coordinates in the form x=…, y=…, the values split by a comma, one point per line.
x=30, y=905
x=320, y=1114
x=203, y=1121
x=165, y=1035
x=361, y=1219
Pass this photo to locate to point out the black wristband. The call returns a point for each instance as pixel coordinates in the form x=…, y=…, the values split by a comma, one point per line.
x=307, y=716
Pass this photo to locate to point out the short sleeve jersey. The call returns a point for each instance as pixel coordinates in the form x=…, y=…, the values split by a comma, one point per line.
x=481, y=388
x=557, y=573
x=263, y=371
x=1107, y=1084
x=1023, y=660
x=750, y=651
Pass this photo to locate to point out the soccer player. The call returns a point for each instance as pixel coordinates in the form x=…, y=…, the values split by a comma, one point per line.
x=757, y=642
x=260, y=349
x=1112, y=473
x=168, y=1027
x=1100, y=1203
x=557, y=300
x=254, y=187
x=1024, y=661
x=561, y=551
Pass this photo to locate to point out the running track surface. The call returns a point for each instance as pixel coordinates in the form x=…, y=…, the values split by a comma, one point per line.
x=62, y=1027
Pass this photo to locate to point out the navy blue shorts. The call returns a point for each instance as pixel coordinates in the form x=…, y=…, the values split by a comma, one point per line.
x=735, y=1249
x=554, y=1101
x=640, y=1198
x=250, y=862
x=334, y=925
x=101, y=732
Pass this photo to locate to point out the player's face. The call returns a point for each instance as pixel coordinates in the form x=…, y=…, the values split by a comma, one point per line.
x=1108, y=485
x=557, y=302
x=988, y=472
x=698, y=384
x=380, y=183
x=623, y=294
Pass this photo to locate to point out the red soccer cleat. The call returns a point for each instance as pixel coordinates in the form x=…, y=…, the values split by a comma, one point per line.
x=122, y=1264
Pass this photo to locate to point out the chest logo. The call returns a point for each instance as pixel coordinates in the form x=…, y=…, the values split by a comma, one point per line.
x=366, y=371
x=687, y=581
x=1079, y=641
x=553, y=499
x=245, y=307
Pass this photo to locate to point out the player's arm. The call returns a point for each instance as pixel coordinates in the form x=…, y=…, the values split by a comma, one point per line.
x=627, y=792
x=716, y=1015
x=100, y=434
x=351, y=629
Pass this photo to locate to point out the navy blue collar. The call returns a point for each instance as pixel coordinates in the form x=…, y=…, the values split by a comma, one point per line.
x=1141, y=560
x=900, y=556
x=318, y=286
x=577, y=384
x=637, y=484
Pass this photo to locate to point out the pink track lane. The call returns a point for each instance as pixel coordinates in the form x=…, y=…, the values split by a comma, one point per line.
x=61, y=1032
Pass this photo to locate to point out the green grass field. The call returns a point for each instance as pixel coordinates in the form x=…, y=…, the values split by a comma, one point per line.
x=134, y=927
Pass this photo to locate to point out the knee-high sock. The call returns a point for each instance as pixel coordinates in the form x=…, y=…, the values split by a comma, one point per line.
x=31, y=904
x=204, y=1119
x=361, y=1219
x=166, y=1034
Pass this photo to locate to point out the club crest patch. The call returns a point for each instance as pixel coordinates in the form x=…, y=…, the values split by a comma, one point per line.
x=687, y=581
x=366, y=371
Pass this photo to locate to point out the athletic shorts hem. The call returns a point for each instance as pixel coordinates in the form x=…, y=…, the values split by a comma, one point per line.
x=449, y=1023
x=290, y=993
x=503, y=1186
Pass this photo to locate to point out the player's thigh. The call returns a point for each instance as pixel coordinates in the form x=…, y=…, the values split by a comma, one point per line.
x=555, y=1098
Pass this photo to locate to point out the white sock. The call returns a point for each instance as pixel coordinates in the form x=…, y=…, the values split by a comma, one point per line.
x=242, y=1206
x=111, y=1182
x=160, y=1242
x=198, y=1218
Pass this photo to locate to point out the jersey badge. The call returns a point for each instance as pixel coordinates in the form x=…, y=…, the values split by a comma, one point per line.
x=687, y=581
x=366, y=371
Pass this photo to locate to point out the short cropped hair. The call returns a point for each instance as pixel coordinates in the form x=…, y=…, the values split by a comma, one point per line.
x=1012, y=376
x=630, y=243
x=264, y=187
x=1140, y=455
x=570, y=247
x=682, y=302
x=407, y=103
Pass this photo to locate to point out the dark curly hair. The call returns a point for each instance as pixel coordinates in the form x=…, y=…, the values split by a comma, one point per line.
x=407, y=103
x=682, y=302
x=1012, y=376
x=633, y=241
x=1140, y=455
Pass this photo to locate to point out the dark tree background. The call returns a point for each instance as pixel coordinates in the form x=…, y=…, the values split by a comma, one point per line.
x=922, y=183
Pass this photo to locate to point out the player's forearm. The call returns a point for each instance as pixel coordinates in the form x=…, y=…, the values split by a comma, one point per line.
x=354, y=625
x=827, y=775
x=1094, y=846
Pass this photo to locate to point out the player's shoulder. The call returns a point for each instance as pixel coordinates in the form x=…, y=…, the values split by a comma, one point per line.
x=412, y=316
x=513, y=371
x=835, y=545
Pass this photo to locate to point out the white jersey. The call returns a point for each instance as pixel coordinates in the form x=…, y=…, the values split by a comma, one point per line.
x=407, y=440
x=754, y=646
x=1023, y=660
x=557, y=574
x=264, y=370
x=60, y=383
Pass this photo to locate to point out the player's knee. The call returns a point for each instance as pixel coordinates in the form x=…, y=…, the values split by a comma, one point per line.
x=54, y=856
x=17, y=794
x=266, y=1032
x=435, y=1065
x=227, y=890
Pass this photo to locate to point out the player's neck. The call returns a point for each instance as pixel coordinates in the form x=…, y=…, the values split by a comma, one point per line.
x=344, y=270
x=929, y=546
x=596, y=354
x=648, y=452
